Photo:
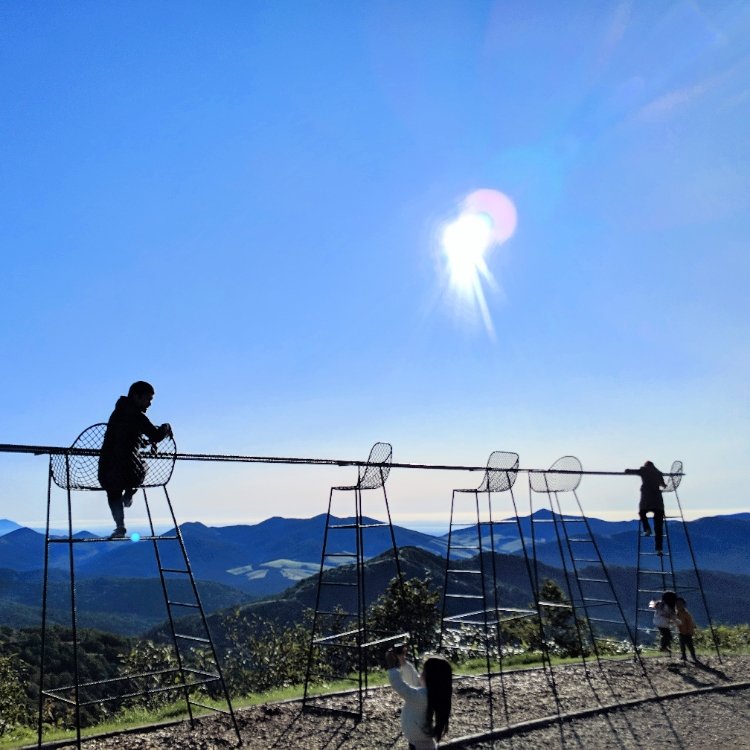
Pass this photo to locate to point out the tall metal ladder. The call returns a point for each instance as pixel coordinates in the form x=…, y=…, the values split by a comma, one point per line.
x=341, y=639
x=471, y=599
x=198, y=670
x=656, y=573
x=588, y=584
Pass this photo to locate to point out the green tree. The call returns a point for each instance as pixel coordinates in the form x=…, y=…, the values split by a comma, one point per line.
x=13, y=708
x=156, y=666
x=260, y=655
x=412, y=609
x=562, y=632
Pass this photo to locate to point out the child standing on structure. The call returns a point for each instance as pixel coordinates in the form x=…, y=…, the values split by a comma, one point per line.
x=686, y=628
x=652, y=483
x=664, y=618
x=427, y=697
x=121, y=469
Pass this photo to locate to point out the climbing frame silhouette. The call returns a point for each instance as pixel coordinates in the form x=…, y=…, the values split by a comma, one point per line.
x=473, y=587
x=656, y=573
x=341, y=638
x=197, y=671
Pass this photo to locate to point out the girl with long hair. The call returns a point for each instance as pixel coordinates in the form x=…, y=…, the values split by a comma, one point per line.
x=427, y=697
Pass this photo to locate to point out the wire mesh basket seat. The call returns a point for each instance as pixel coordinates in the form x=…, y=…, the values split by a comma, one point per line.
x=500, y=475
x=563, y=476
x=375, y=472
x=78, y=469
x=673, y=481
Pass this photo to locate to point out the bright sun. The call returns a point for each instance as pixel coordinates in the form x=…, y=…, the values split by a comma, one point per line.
x=465, y=242
x=488, y=218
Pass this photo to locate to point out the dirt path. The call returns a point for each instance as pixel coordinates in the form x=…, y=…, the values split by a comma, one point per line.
x=714, y=718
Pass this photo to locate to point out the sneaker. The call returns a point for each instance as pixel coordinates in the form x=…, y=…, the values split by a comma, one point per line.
x=119, y=533
x=127, y=497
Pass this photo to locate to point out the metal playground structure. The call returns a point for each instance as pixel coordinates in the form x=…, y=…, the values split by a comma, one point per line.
x=475, y=597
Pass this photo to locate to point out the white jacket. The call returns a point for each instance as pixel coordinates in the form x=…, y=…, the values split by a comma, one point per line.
x=664, y=616
x=405, y=681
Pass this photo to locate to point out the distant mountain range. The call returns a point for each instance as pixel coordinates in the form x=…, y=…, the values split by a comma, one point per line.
x=728, y=596
x=237, y=563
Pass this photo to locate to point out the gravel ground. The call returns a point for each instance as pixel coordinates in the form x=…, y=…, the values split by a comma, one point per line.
x=709, y=719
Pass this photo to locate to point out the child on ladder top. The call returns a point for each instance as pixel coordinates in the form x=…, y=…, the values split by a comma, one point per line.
x=652, y=483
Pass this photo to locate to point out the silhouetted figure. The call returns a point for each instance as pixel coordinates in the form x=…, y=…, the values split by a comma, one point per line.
x=652, y=483
x=664, y=618
x=121, y=469
x=427, y=697
x=686, y=629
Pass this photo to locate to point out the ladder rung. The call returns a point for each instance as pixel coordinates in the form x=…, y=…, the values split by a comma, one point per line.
x=174, y=570
x=560, y=605
x=336, y=612
x=183, y=604
x=656, y=572
x=464, y=596
x=464, y=572
x=586, y=560
x=337, y=583
x=191, y=638
x=340, y=554
x=580, y=539
x=463, y=546
x=594, y=580
x=611, y=622
x=599, y=601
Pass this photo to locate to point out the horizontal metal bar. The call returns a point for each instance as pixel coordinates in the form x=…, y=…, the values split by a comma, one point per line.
x=210, y=708
x=183, y=604
x=464, y=572
x=38, y=450
x=185, y=637
x=346, y=634
x=123, y=696
x=464, y=596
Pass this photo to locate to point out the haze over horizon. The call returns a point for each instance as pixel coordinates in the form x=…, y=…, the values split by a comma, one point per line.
x=247, y=206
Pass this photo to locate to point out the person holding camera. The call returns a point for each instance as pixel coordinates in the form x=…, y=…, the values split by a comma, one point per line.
x=427, y=697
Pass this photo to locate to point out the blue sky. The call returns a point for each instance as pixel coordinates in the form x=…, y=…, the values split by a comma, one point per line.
x=243, y=203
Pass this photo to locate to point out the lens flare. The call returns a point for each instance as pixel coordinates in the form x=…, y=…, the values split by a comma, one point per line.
x=487, y=218
x=135, y=537
x=465, y=241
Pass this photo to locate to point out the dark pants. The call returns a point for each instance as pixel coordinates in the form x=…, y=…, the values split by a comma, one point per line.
x=666, y=639
x=114, y=498
x=686, y=641
x=658, y=525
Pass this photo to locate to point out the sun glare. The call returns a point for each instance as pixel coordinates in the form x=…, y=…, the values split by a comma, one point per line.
x=465, y=241
x=487, y=218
